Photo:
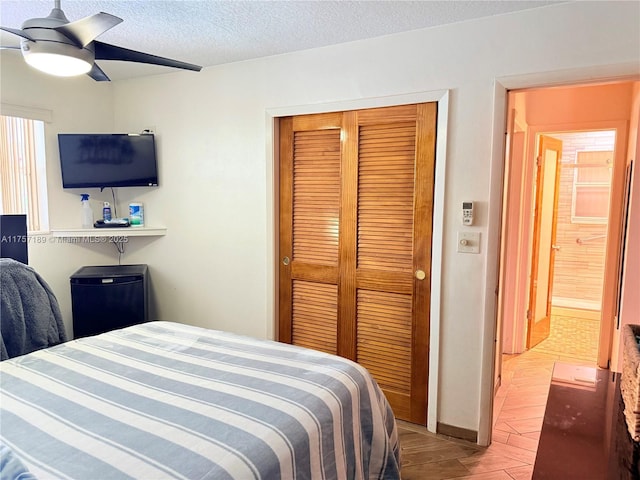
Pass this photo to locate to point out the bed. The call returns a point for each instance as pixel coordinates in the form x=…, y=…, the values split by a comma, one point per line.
x=167, y=400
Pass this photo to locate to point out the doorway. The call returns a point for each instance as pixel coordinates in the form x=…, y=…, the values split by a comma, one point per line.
x=583, y=109
x=589, y=121
x=579, y=244
x=575, y=254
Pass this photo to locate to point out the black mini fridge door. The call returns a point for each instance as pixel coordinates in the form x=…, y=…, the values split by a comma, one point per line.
x=108, y=298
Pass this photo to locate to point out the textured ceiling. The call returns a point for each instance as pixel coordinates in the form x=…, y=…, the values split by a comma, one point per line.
x=215, y=32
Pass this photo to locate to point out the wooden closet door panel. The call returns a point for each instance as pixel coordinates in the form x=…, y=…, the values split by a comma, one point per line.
x=285, y=238
x=348, y=232
x=316, y=196
x=384, y=259
x=309, y=229
x=422, y=240
x=385, y=197
x=384, y=344
x=315, y=321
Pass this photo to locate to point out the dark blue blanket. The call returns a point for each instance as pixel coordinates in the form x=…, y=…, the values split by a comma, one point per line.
x=30, y=318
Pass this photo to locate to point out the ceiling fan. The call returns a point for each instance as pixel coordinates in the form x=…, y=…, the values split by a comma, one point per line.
x=59, y=47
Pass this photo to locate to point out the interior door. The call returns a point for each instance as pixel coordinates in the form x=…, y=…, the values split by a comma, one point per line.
x=356, y=204
x=544, y=235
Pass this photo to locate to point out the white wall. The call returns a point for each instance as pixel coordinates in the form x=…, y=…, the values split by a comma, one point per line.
x=215, y=266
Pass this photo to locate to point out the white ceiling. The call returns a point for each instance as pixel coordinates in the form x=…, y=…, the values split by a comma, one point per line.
x=219, y=31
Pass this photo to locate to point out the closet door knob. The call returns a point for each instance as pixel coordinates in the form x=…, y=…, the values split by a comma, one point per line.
x=420, y=275
x=285, y=261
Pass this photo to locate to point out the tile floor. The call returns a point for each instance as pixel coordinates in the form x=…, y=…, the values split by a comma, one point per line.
x=518, y=413
x=574, y=334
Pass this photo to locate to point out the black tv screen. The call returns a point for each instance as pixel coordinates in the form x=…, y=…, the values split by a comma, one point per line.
x=107, y=160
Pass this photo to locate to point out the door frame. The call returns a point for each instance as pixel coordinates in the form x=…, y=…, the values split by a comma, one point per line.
x=441, y=97
x=492, y=337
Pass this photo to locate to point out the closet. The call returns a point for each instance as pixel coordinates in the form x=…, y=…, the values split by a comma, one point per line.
x=355, y=228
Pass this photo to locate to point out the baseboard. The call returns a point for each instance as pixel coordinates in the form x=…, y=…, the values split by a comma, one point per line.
x=575, y=303
x=457, y=432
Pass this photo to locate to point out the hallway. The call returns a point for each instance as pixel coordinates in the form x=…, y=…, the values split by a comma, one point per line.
x=573, y=331
x=518, y=414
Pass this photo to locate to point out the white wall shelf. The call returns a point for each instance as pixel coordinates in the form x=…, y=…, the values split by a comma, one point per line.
x=109, y=232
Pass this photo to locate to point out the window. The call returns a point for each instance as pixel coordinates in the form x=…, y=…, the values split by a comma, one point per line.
x=591, y=187
x=23, y=185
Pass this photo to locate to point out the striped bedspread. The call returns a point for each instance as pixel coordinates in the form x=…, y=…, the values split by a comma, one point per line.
x=166, y=400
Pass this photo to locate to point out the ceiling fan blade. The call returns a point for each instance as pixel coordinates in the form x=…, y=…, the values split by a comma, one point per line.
x=104, y=51
x=84, y=31
x=97, y=74
x=18, y=32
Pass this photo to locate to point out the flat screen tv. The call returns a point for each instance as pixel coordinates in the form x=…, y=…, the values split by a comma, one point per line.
x=107, y=160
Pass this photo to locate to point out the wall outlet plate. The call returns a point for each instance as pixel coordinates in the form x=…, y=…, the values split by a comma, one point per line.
x=469, y=242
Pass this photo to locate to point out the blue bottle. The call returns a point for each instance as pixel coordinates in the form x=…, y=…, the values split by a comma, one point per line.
x=106, y=212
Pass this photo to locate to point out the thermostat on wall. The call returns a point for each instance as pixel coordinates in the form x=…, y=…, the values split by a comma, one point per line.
x=467, y=213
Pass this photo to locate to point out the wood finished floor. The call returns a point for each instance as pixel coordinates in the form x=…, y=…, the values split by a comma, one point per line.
x=518, y=413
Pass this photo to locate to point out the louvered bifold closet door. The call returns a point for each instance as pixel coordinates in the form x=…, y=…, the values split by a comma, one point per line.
x=394, y=216
x=309, y=229
x=356, y=206
x=386, y=159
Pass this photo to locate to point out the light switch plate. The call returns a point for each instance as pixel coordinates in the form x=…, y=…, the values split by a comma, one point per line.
x=469, y=242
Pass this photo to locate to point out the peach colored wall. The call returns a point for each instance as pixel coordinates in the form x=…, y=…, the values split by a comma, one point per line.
x=562, y=105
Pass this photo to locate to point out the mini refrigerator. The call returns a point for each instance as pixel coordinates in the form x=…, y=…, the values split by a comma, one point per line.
x=108, y=297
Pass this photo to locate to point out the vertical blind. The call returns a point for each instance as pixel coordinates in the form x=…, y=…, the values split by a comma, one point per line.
x=20, y=192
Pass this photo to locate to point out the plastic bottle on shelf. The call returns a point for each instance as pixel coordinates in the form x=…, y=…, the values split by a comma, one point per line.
x=106, y=212
x=87, y=213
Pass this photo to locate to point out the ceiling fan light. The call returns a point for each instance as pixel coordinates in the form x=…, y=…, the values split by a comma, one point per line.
x=59, y=65
x=56, y=58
